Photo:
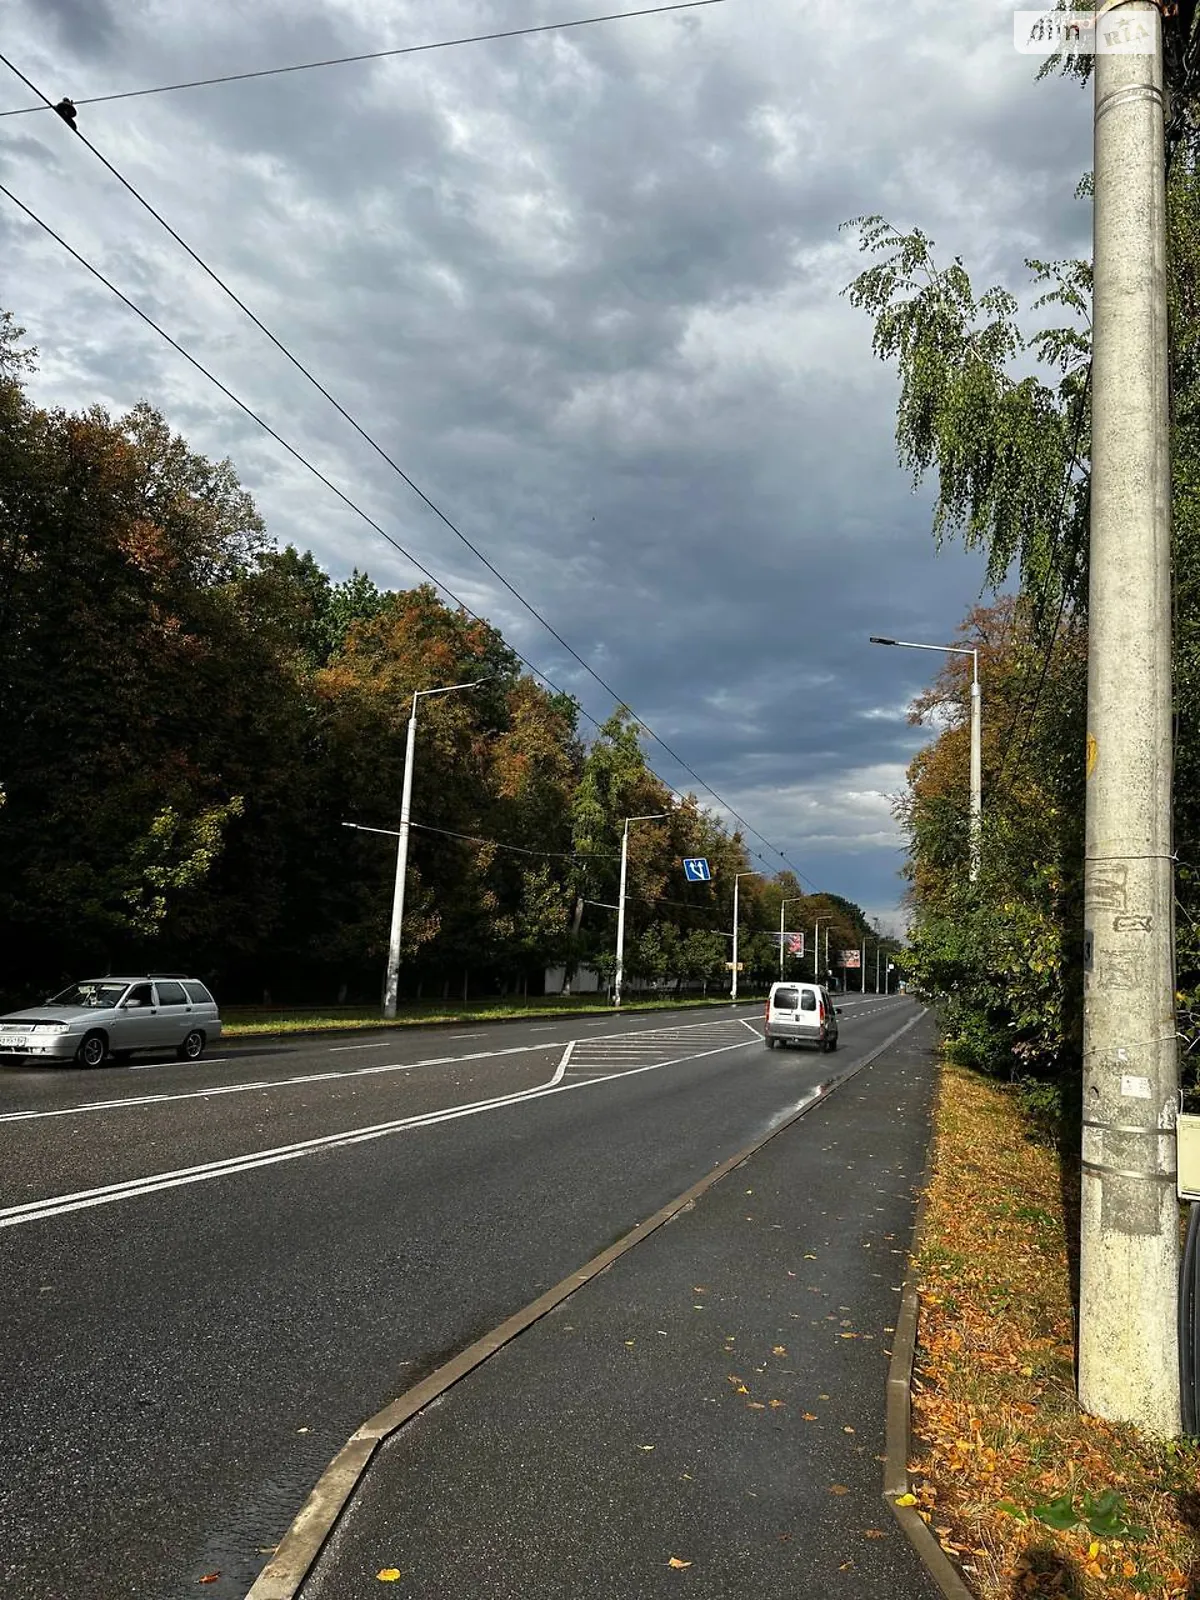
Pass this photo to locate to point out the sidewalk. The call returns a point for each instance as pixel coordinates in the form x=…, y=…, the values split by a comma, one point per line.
x=715, y=1399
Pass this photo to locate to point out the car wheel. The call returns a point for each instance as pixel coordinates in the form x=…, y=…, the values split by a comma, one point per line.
x=768, y=1041
x=93, y=1052
x=832, y=1045
x=192, y=1047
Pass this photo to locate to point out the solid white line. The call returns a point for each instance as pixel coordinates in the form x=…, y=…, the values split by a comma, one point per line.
x=464, y=1036
x=108, y=1194
x=265, y=1083
x=340, y=1049
x=285, y=1083
x=150, y=1066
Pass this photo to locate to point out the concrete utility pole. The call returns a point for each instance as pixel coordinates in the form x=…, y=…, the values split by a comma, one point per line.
x=817, y=947
x=783, y=905
x=619, y=972
x=1129, y=1238
x=392, y=980
x=976, y=790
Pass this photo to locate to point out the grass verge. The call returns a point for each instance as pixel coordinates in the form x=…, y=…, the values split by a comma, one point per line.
x=1029, y=1495
x=241, y=1021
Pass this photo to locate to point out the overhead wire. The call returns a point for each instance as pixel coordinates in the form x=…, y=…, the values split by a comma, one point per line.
x=372, y=55
x=296, y=454
x=391, y=462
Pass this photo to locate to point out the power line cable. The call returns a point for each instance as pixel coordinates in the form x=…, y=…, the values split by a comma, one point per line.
x=308, y=465
x=518, y=849
x=404, y=476
x=371, y=55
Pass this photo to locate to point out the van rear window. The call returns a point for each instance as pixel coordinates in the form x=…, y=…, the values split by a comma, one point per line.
x=808, y=1001
x=198, y=994
x=786, y=999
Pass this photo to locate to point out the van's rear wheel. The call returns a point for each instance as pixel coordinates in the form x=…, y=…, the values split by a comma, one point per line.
x=769, y=1042
x=192, y=1047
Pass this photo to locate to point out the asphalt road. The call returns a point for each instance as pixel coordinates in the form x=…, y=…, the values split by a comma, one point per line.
x=212, y=1274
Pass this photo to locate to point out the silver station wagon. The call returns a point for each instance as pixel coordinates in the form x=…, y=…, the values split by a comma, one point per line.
x=105, y=1019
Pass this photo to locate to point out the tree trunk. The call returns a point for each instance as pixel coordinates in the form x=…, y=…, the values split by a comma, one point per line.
x=466, y=984
x=572, y=966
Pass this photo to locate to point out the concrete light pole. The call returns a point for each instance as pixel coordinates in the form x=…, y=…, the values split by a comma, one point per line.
x=817, y=921
x=976, y=734
x=619, y=975
x=737, y=877
x=392, y=985
x=783, y=904
x=1129, y=1226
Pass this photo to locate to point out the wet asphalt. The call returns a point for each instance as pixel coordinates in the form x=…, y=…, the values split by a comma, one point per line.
x=185, y=1357
x=716, y=1398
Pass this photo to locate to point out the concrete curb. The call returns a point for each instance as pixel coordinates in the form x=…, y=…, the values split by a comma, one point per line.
x=297, y=1553
x=899, y=1424
x=457, y=1022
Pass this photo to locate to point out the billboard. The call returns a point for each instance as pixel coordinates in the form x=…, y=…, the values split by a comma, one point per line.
x=850, y=958
x=793, y=943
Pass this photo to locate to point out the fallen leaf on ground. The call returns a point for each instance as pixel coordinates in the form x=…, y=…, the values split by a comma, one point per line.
x=677, y=1563
x=210, y=1577
x=645, y=1447
x=810, y=1416
x=778, y=1350
x=906, y=1499
x=388, y=1574
x=847, y=1430
x=755, y=1405
x=838, y=1488
x=874, y=1533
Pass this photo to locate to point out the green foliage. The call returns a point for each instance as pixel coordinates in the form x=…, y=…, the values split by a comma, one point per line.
x=999, y=439
x=189, y=713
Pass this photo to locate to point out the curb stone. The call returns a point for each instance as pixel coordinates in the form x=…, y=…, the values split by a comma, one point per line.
x=899, y=1420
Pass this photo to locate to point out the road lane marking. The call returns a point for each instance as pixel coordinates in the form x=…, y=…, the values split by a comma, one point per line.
x=464, y=1036
x=285, y=1083
x=132, y=1188
x=340, y=1049
x=265, y=1083
x=560, y=1070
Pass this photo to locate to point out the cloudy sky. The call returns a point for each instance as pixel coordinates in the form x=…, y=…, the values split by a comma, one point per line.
x=584, y=288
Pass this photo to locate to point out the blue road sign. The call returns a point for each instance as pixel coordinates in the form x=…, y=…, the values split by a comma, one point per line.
x=695, y=869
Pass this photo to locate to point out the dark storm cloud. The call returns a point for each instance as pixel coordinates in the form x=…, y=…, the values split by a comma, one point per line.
x=585, y=288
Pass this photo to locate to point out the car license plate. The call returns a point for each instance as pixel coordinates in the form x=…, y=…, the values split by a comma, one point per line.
x=14, y=1044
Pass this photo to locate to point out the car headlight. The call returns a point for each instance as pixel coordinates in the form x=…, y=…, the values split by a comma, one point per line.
x=52, y=1027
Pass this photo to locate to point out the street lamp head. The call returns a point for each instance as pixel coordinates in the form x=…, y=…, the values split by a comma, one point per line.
x=875, y=639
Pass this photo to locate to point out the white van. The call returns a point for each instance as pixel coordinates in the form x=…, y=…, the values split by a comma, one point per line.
x=800, y=1013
